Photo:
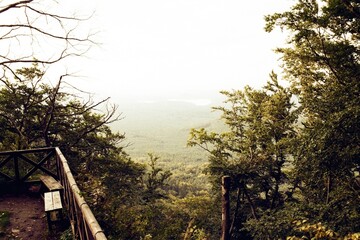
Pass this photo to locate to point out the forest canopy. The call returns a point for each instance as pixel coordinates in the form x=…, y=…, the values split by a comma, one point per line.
x=293, y=153
x=295, y=164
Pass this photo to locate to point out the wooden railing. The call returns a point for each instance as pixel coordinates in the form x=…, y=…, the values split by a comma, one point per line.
x=19, y=167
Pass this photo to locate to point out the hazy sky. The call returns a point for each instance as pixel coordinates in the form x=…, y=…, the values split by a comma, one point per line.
x=179, y=48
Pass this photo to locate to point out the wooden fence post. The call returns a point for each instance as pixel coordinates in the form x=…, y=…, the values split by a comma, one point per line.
x=16, y=169
x=225, y=199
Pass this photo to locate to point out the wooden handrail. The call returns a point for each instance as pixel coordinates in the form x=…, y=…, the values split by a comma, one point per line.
x=87, y=216
x=17, y=157
x=26, y=151
x=84, y=223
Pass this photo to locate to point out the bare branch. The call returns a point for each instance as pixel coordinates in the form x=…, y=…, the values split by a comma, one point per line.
x=15, y=5
x=67, y=38
x=32, y=27
x=58, y=17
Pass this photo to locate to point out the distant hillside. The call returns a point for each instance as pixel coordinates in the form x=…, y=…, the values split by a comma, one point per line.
x=162, y=127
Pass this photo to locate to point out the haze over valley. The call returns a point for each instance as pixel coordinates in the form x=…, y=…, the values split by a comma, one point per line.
x=162, y=126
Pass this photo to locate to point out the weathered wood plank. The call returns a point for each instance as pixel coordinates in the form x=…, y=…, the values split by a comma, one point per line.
x=49, y=206
x=27, y=151
x=52, y=201
x=51, y=183
x=56, y=200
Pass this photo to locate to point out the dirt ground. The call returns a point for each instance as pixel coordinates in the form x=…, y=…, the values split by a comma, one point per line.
x=27, y=217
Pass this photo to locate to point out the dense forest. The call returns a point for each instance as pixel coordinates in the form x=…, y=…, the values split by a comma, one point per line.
x=291, y=150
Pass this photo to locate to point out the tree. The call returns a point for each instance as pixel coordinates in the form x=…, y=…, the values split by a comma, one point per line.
x=35, y=114
x=38, y=32
x=155, y=180
x=202, y=217
x=322, y=61
x=254, y=151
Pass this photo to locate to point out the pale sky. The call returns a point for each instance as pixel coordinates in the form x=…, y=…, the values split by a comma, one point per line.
x=179, y=48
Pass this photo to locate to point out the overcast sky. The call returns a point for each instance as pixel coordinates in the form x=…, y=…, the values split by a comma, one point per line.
x=179, y=48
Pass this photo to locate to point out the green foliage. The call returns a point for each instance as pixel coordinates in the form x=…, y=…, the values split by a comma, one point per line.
x=255, y=150
x=192, y=217
x=202, y=216
x=297, y=162
x=155, y=180
x=292, y=153
x=187, y=175
x=4, y=221
x=18, y=100
x=130, y=200
x=318, y=231
x=35, y=114
x=67, y=235
x=160, y=220
x=323, y=65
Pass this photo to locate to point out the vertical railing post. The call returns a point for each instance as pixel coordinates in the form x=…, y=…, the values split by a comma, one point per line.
x=16, y=168
x=17, y=174
x=225, y=200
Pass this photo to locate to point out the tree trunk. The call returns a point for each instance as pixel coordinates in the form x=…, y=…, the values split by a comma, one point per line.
x=236, y=211
x=189, y=230
x=225, y=198
x=252, y=206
